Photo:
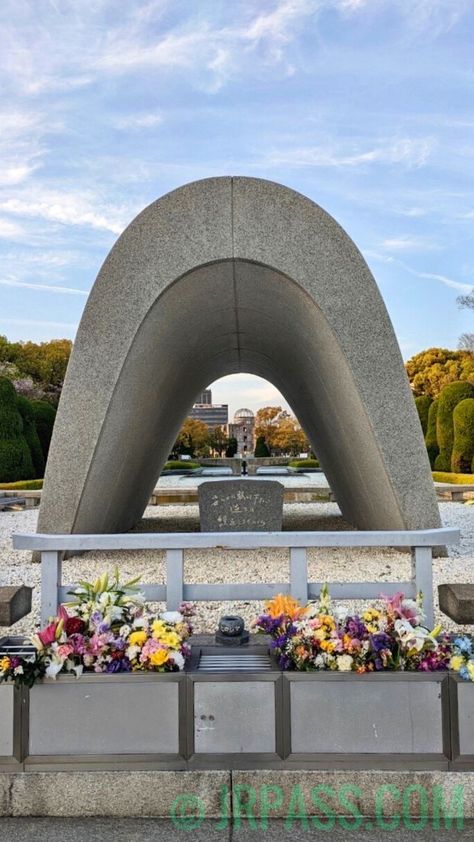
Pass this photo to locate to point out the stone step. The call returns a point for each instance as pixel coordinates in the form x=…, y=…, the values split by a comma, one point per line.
x=457, y=602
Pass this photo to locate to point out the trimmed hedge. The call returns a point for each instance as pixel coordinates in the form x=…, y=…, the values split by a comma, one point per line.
x=44, y=414
x=15, y=457
x=430, y=438
x=175, y=465
x=423, y=403
x=462, y=457
x=23, y=485
x=450, y=396
x=304, y=463
x=261, y=448
x=31, y=435
x=455, y=479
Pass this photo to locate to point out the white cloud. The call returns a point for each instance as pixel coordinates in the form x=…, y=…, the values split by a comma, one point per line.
x=68, y=208
x=409, y=243
x=138, y=121
x=12, y=282
x=39, y=323
x=410, y=152
x=430, y=276
x=10, y=230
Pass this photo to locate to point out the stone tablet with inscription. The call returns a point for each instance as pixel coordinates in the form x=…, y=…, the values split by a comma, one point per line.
x=241, y=506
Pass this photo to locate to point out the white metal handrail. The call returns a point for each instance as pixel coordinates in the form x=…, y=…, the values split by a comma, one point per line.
x=176, y=589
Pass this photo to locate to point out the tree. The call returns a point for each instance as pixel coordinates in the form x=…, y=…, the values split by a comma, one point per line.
x=31, y=436
x=231, y=449
x=217, y=440
x=192, y=438
x=466, y=342
x=466, y=300
x=449, y=398
x=431, y=370
x=462, y=457
x=430, y=438
x=45, y=416
x=261, y=449
x=43, y=364
x=15, y=457
x=280, y=430
x=423, y=403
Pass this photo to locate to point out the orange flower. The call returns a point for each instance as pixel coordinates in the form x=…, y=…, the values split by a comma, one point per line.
x=283, y=604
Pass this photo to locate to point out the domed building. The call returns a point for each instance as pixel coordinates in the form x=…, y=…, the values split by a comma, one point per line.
x=243, y=429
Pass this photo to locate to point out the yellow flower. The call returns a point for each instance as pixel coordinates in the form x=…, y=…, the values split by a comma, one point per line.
x=137, y=638
x=158, y=628
x=171, y=639
x=470, y=669
x=456, y=662
x=282, y=604
x=371, y=614
x=327, y=645
x=5, y=664
x=158, y=658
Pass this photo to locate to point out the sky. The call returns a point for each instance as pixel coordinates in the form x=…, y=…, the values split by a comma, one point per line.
x=365, y=106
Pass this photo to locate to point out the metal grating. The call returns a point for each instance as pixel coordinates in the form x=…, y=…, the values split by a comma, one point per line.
x=17, y=646
x=229, y=662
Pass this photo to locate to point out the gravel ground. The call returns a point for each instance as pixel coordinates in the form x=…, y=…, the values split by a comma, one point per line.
x=324, y=564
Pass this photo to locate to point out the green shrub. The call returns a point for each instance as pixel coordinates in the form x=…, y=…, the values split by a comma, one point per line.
x=31, y=435
x=231, y=448
x=175, y=465
x=15, y=456
x=450, y=396
x=430, y=438
x=456, y=479
x=423, y=403
x=44, y=414
x=261, y=448
x=304, y=463
x=23, y=485
x=463, y=446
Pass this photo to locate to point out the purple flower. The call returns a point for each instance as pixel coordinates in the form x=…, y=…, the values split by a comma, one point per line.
x=284, y=662
x=119, y=665
x=355, y=627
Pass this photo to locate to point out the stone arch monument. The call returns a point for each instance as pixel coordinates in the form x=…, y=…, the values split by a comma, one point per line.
x=220, y=276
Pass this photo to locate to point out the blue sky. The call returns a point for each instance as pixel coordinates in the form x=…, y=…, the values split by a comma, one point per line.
x=365, y=106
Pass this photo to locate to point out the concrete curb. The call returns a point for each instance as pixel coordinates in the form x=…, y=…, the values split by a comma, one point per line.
x=244, y=794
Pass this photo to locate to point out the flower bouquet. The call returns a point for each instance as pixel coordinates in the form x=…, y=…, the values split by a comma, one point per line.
x=320, y=637
x=106, y=628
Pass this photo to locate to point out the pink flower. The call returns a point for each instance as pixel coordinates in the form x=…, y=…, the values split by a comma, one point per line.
x=48, y=635
x=65, y=650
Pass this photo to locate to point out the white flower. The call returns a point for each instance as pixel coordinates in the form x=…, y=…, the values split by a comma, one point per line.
x=132, y=652
x=344, y=663
x=78, y=669
x=177, y=658
x=18, y=670
x=172, y=617
x=125, y=631
x=319, y=661
x=53, y=668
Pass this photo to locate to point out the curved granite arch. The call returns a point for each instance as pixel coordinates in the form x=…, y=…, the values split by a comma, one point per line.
x=220, y=276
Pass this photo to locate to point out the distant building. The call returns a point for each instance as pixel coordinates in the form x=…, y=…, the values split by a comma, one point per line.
x=214, y=415
x=204, y=397
x=243, y=429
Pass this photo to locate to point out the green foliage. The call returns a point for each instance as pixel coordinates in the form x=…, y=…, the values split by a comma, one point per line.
x=31, y=435
x=44, y=415
x=456, y=479
x=261, y=449
x=463, y=446
x=431, y=370
x=430, y=438
x=15, y=456
x=23, y=485
x=423, y=403
x=231, y=448
x=304, y=463
x=178, y=464
x=449, y=398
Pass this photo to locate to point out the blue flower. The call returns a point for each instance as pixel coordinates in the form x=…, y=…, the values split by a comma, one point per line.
x=464, y=644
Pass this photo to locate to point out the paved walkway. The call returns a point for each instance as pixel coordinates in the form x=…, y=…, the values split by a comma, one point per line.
x=163, y=830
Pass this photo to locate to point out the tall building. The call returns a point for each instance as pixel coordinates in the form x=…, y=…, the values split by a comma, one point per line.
x=243, y=429
x=214, y=415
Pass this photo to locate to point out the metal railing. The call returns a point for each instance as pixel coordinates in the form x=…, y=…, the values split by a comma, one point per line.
x=420, y=542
